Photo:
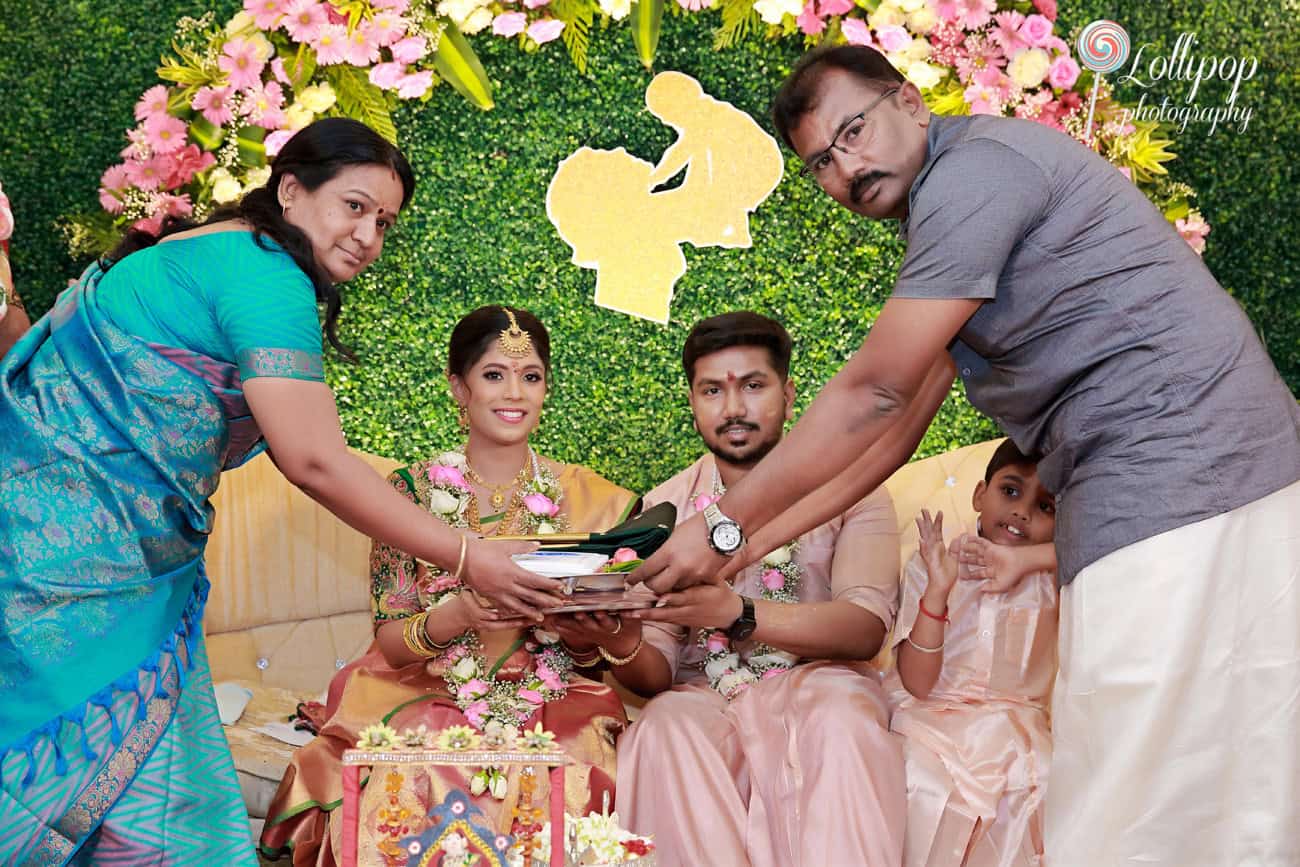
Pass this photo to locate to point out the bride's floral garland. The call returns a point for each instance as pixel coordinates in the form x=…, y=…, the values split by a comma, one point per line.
x=488, y=703
x=780, y=579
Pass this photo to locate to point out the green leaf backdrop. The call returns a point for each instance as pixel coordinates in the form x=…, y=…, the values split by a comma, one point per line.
x=478, y=232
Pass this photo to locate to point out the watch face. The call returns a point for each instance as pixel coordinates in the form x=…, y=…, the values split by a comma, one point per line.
x=726, y=536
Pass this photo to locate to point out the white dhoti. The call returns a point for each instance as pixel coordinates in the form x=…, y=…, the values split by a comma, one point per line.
x=1176, y=712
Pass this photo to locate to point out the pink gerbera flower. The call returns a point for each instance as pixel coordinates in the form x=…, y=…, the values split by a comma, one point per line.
x=138, y=149
x=386, y=28
x=980, y=53
x=834, y=7
x=147, y=174
x=266, y=13
x=214, y=104
x=114, y=180
x=152, y=102
x=397, y=7
x=241, y=64
x=1006, y=32
x=264, y=104
x=168, y=205
x=275, y=142
x=304, y=19
x=331, y=45
x=974, y=14
x=362, y=49
x=988, y=92
x=165, y=133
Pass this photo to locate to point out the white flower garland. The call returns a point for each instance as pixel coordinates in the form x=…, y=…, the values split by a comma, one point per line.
x=487, y=702
x=726, y=672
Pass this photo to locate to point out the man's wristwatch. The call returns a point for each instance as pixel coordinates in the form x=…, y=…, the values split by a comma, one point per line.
x=725, y=536
x=745, y=624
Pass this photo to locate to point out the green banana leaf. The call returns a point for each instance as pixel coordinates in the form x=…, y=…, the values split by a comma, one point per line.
x=458, y=64
x=647, y=20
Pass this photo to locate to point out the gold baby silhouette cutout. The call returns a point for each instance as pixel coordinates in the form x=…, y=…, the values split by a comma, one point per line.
x=604, y=205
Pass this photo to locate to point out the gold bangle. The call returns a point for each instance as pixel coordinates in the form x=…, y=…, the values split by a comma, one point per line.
x=615, y=660
x=460, y=564
x=580, y=661
x=410, y=634
x=427, y=640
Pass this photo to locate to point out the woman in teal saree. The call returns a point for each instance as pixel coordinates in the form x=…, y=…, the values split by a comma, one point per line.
x=118, y=411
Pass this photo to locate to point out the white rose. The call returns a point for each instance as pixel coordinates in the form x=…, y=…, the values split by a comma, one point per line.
x=616, y=9
x=265, y=50
x=499, y=782
x=886, y=15
x=457, y=10
x=442, y=502
x=241, y=21
x=922, y=21
x=772, y=11
x=477, y=20
x=465, y=668
x=545, y=529
x=918, y=49
x=1028, y=68
x=779, y=557
x=318, y=98
x=717, y=667
x=298, y=116
x=256, y=177
x=910, y=6
x=730, y=682
x=924, y=75
x=452, y=459
x=478, y=784
x=544, y=637
x=225, y=188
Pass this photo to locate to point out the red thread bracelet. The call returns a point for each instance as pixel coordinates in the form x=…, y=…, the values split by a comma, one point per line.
x=941, y=618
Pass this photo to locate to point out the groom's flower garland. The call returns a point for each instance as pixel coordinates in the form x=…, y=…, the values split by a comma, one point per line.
x=726, y=672
x=490, y=704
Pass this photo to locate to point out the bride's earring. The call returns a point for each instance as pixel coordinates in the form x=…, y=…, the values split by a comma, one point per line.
x=462, y=418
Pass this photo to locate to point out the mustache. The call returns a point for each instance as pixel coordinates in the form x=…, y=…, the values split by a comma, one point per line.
x=863, y=182
x=735, y=422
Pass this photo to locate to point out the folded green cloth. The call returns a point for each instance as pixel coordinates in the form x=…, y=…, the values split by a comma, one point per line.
x=644, y=533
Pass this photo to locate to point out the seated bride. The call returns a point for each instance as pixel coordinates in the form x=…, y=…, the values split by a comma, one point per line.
x=440, y=658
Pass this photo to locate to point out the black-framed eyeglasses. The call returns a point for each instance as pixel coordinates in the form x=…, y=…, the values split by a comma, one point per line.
x=851, y=138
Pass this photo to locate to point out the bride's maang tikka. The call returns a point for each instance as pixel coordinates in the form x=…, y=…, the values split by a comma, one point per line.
x=514, y=341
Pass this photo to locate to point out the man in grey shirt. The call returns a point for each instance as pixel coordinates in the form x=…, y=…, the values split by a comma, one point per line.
x=1080, y=321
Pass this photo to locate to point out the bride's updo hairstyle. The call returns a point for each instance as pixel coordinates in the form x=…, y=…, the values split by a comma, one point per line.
x=477, y=331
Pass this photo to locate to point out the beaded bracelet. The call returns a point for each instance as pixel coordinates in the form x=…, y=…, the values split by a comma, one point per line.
x=942, y=618
x=938, y=649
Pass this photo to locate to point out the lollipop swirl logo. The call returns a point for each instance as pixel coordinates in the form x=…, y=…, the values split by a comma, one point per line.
x=1103, y=47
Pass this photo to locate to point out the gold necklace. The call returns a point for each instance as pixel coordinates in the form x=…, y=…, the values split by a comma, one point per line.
x=498, y=491
x=475, y=523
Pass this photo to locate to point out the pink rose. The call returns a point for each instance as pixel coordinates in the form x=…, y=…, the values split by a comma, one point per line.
x=1063, y=73
x=624, y=555
x=1036, y=30
x=540, y=504
x=1047, y=7
x=386, y=76
x=808, y=20
x=475, y=713
x=275, y=142
x=893, y=38
x=717, y=643
x=151, y=226
x=440, y=475
x=509, y=24
x=703, y=501
x=531, y=696
x=544, y=30
x=834, y=7
x=535, y=4
x=409, y=50
x=773, y=672
x=415, y=85
x=549, y=678
x=475, y=687
x=773, y=579
x=855, y=30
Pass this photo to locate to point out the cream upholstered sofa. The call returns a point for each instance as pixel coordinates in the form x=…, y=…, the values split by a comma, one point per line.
x=290, y=600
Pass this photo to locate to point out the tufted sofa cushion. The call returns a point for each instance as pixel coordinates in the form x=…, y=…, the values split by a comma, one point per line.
x=290, y=599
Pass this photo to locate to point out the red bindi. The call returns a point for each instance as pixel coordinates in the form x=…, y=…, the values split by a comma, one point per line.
x=731, y=377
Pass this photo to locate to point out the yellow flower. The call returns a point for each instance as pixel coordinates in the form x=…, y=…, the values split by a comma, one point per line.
x=922, y=21
x=265, y=51
x=241, y=21
x=377, y=737
x=225, y=188
x=318, y=98
x=924, y=75
x=886, y=15
x=538, y=739
x=458, y=738
x=256, y=177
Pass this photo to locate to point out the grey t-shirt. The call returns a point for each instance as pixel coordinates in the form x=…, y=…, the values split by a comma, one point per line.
x=1104, y=343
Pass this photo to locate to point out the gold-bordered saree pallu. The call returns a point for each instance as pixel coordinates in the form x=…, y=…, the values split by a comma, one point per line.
x=112, y=751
